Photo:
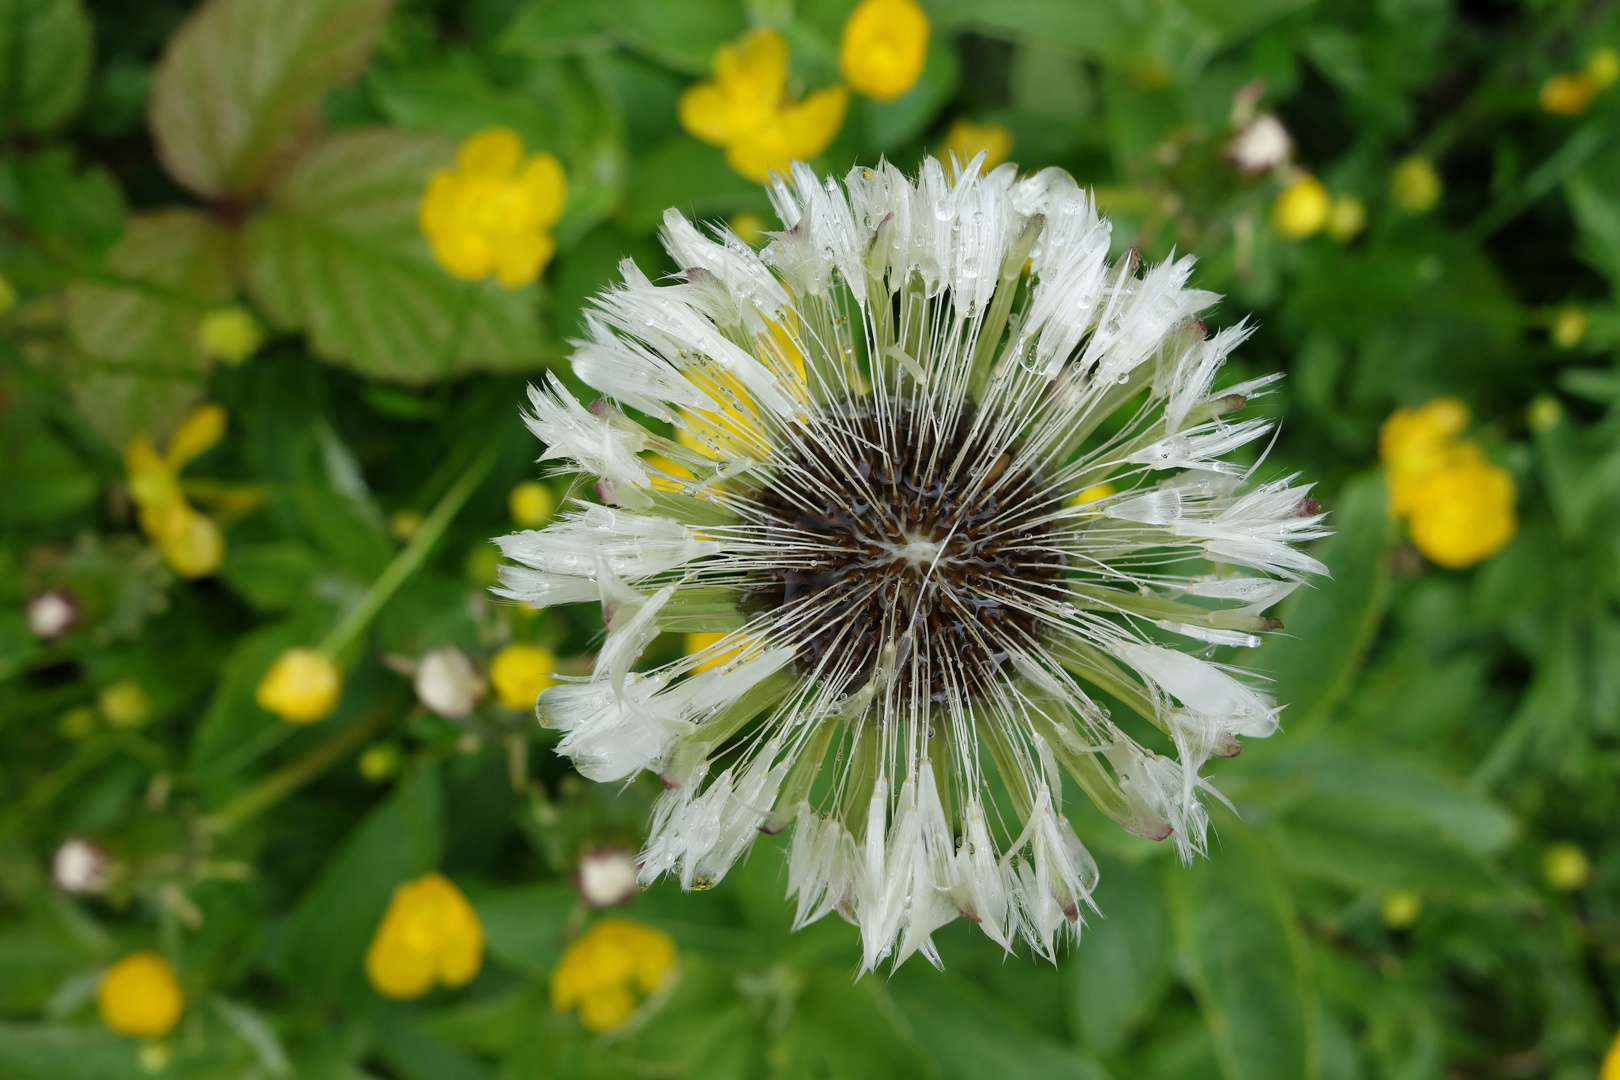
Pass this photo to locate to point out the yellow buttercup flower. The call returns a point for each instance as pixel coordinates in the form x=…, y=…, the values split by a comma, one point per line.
x=140, y=995
x=230, y=334
x=744, y=108
x=1567, y=867
x=602, y=973
x=1301, y=209
x=491, y=215
x=429, y=934
x=1414, y=185
x=1463, y=514
x=884, y=47
x=1414, y=443
x=964, y=138
x=191, y=543
x=519, y=672
x=1611, y=1061
x=531, y=504
x=301, y=687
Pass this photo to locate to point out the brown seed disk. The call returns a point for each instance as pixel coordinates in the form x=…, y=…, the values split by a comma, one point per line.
x=888, y=523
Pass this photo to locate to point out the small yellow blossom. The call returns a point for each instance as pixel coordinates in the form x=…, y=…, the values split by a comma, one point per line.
x=301, y=687
x=745, y=110
x=1414, y=185
x=190, y=541
x=1093, y=493
x=1567, y=867
x=380, y=761
x=1416, y=442
x=1544, y=413
x=1603, y=67
x=1301, y=208
x=403, y=524
x=1567, y=95
x=531, y=504
x=1346, y=217
x=429, y=934
x=1569, y=327
x=230, y=334
x=603, y=972
x=1611, y=1061
x=519, y=672
x=1400, y=910
x=964, y=138
x=124, y=704
x=8, y=296
x=491, y=215
x=884, y=47
x=750, y=228
x=697, y=642
x=140, y=995
x=1463, y=514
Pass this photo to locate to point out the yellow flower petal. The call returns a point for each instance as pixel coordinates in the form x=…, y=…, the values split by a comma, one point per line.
x=1301, y=209
x=965, y=139
x=545, y=185
x=1463, y=514
x=301, y=687
x=494, y=152
x=884, y=47
x=519, y=672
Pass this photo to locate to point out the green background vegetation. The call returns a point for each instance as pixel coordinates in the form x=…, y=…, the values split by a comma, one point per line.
x=1443, y=729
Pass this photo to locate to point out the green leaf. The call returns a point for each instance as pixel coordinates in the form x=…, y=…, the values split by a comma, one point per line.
x=273, y=576
x=50, y=1052
x=337, y=916
x=415, y=1055
x=693, y=178
x=523, y=927
x=338, y=254
x=1122, y=965
x=239, y=90
x=1330, y=622
x=44, y=63
x=683, y=36
x=137, y=325
x=80, y=209
x=1244, y=953
x=1377, y=846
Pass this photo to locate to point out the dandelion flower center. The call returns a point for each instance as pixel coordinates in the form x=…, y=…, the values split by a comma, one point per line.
x=909, y=543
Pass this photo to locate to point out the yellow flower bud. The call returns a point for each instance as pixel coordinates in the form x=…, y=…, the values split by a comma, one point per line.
x=531, y=504
x=301, y=687
x=1346, y=218
x=1463, y=513
x=884, y=47
x=1400, y=910
x=1414, y=185
x=1567, y=95
x=1603, y=67
x=1545, y=413
x=140, y=995
x=429, y=934
x=964, y=138
x=1301, y=208
x=519, y=672
x=230, y=334
x=124, y=704
x=1569, y=327
x=402, y=524
x=1567, y=867
x=491, y=215
x=380, y=761
x=602, y=973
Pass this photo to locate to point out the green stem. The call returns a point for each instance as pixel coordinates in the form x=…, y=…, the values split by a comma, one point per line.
x=410, y=558
x=53, y=784
x=278, y=785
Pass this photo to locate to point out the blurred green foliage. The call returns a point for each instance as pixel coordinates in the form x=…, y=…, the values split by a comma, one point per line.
x=1379, y=905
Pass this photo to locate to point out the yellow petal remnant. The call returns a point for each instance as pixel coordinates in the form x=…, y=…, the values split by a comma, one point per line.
x=602, y=973
x=1567, y=95
x=301, y=687
x=191, y=543
x=1346, y=217
x=491, y=214
x=1301, y=209
x=1414, y=185
x=744, y=108
x=230, y=334
x=519, y=672
x=531, y=504
x=429, y=934
x=1567, y=867
x=124, y=704
x=964, y=138
x=884, y=47
x=140, y=995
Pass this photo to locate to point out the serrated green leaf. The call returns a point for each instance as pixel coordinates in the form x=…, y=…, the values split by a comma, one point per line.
x=1245, y=955
x=44, y=63
x=142, y=366
x=338, y=254
x=239, y=90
